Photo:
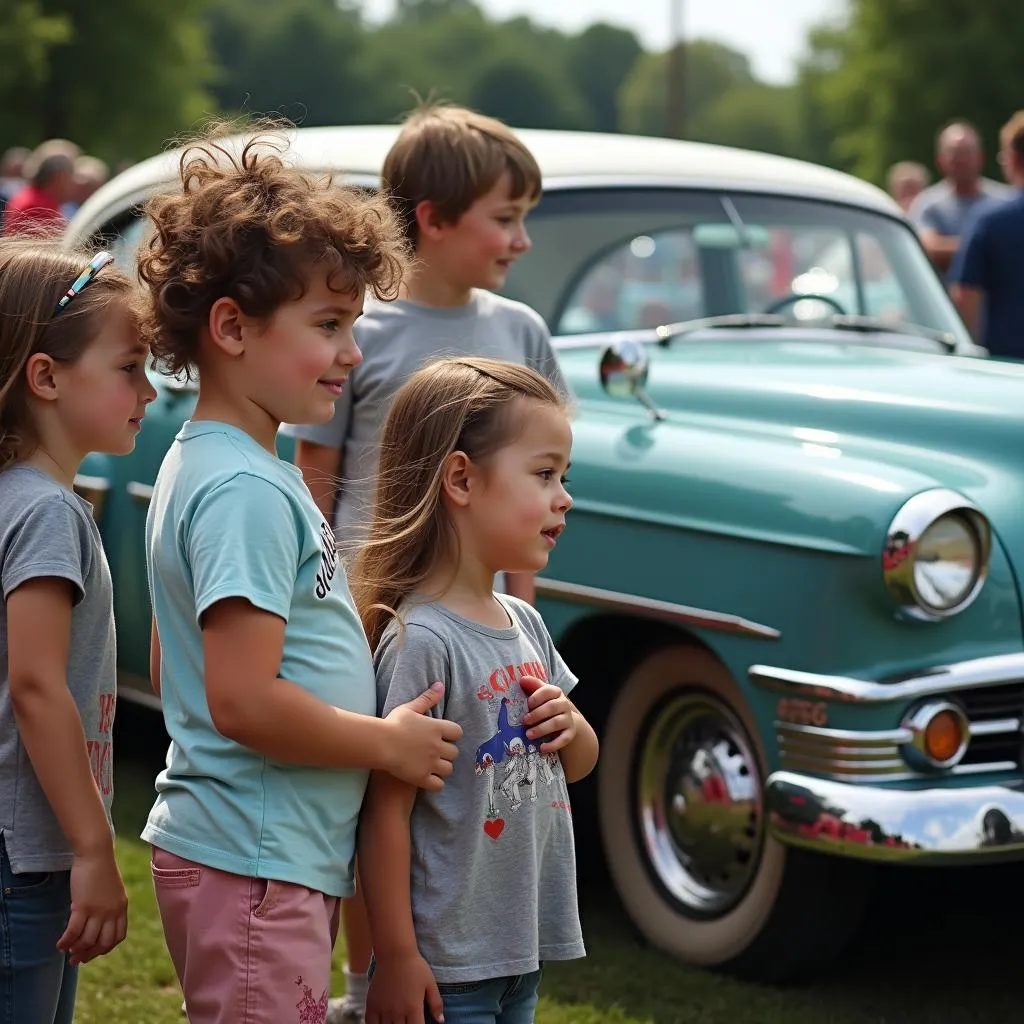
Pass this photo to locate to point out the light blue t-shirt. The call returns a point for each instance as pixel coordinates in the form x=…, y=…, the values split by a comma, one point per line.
x=228, y=519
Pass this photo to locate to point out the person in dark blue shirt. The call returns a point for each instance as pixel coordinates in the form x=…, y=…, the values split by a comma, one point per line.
x=987, y=277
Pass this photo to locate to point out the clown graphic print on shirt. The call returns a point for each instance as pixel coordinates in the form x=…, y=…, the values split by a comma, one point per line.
x=513, y=758
x=499, y=834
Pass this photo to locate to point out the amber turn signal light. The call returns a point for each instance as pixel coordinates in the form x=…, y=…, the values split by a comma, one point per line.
x=943, y=736
x=939, y=735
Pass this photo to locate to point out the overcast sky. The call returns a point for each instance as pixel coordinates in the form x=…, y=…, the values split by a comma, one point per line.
x=770, y=32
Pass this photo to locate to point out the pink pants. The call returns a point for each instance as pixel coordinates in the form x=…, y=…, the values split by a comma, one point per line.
x=246, y=950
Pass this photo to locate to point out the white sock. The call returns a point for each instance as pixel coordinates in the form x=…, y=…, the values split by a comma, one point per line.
x=355, y=988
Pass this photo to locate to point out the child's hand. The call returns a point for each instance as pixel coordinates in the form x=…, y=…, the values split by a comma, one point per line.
x=422, y=748
x=99, y=908
x=399, y=988
x=550, y=714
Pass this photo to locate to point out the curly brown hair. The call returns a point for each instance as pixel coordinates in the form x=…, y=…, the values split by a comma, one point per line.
x=246, y=226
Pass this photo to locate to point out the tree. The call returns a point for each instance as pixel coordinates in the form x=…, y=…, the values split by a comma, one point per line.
x=825, y=54
x=406, y=59
x=753, y=116
x=27, y=37
x=301, y=59
x=599, y=62
x=525, y=93
x=415, y=11
x=711, y=69
x=118, y=77
x=905, y=68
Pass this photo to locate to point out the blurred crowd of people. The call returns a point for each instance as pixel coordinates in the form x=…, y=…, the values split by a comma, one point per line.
x=40, y=189
x=973, y=228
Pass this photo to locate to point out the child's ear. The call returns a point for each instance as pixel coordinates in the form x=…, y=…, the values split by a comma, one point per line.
x=429, y=222
x=41, y=378
x=458, y=479
x=227, y=324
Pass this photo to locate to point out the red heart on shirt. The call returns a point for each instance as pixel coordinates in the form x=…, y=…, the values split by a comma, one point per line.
x=495, y=827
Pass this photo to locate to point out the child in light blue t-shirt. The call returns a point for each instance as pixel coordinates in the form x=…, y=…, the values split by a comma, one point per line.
x=263, y=669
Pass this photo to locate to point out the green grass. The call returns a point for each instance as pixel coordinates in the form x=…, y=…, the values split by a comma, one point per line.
x=939, y=947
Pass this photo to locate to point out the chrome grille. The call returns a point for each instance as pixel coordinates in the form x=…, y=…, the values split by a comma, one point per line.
x=996, y=715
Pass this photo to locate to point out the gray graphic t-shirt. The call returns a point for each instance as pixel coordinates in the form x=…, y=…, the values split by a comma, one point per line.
x=397, y=339
x=493, y=870
x=45, y=531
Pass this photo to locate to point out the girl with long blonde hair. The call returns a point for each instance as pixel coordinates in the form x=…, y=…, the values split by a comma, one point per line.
x=470, y=889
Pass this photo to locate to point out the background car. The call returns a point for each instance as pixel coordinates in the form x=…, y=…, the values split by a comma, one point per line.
x=791, y=583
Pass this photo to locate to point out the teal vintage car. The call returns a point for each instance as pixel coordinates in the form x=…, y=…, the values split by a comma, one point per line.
x=792, y=583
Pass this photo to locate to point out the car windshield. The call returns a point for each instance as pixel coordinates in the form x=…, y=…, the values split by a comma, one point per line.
x=628, y=259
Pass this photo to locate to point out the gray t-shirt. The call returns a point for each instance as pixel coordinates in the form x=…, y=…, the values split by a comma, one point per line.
x=46, y=531
x=940, y=208
x=397, y=339
x=493, y=879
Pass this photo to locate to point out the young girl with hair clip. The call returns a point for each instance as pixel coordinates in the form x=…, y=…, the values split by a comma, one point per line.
x=256, y=274
x=72, y=380
x=470, y=889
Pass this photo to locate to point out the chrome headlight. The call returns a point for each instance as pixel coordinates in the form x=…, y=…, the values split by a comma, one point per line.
x=936, y=554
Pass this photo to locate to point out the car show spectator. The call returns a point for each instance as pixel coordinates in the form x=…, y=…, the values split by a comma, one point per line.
x=987, y=276
x=905, y=181
x=941, y=210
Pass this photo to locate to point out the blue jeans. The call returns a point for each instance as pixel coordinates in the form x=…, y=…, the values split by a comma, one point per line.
x=497, y=1001
x=37, y=984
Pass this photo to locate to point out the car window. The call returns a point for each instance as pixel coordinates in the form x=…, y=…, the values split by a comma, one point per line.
x=652, y=279
x=125, y=240
x=631, y=258
x=121, y=235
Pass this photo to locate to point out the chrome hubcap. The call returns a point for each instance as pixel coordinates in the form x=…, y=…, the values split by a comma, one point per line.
x=698, y=795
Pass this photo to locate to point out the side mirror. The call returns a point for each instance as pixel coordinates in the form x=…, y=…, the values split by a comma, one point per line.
x=623, y=369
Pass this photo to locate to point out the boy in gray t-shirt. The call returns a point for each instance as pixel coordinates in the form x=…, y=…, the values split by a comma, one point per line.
x=504, y=812
x=462, y=184
x=396, y=339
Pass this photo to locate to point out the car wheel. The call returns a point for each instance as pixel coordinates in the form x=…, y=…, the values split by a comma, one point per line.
x=680, y=797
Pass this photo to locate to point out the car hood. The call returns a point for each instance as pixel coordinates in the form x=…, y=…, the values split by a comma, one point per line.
x=815, y=420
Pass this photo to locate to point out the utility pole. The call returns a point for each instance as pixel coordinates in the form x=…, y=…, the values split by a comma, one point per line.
x=676, y=78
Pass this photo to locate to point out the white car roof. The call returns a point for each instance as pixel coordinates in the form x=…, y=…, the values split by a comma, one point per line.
x=565, y=158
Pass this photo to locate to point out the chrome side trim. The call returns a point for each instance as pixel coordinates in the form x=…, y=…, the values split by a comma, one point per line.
x=996, y=727
x=848, y=737
x=998, y=670
x=922, y=826
x=896, y=755
x=843, y=753
x=137, y=689
x=141, y=494
x=649, y=608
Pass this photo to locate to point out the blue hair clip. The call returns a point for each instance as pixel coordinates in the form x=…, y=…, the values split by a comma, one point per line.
x=96, y=264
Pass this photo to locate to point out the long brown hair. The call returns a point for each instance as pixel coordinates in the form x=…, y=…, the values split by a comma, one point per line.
x=469, y=405
x=34, y=276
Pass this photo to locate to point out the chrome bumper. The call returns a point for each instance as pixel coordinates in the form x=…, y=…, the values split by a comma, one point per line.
x=911, y=826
